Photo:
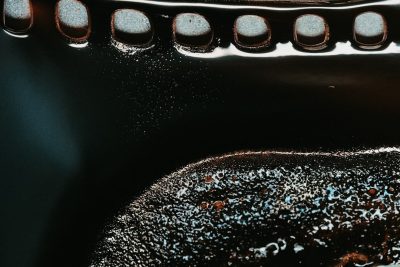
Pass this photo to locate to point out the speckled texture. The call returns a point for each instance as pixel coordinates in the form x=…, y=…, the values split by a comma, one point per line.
x=72, y=13
x=251, y=26
x=369, y=24
x=131, y=21
x=310, y=26
x=17, y=9
x=191, y=24
x=264, y=208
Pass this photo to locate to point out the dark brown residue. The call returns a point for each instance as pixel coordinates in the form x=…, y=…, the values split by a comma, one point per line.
x=352, y=258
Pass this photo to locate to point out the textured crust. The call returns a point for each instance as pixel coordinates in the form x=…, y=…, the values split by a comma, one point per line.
x=264, y=208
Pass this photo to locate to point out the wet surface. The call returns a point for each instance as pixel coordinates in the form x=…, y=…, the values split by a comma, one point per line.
x=86, y=127
x=264, y=208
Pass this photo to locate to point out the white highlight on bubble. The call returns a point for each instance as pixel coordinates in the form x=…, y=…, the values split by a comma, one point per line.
x=79, y=45
x=21, y=36
x=287, y=50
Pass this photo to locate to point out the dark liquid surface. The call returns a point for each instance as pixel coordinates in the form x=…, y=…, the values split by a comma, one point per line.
x=83, y=131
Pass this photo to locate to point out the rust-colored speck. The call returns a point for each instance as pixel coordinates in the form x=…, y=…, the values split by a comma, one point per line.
x=219, y=205
x=372, y=192
x=204, y=205
x=208, y=179
x=353, y=257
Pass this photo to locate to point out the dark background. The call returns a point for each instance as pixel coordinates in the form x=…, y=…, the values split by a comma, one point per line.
x=84, y=131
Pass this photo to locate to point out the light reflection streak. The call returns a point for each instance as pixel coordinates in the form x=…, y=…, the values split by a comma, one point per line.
x=258, y=7
x=16, y=35
x=79, y=45
x=287, y=50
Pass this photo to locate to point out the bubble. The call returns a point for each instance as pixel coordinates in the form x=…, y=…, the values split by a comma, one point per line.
x=72, y=19
x=132, y=27
x=18, y=15
x=192, y=30
x=311, y=32
x=369, y=30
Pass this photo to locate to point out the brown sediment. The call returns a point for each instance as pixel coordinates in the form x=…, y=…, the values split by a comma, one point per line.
x=372, y=192
x=204, y=205
x=218, y=205
x=354, y=257
x=208, y=179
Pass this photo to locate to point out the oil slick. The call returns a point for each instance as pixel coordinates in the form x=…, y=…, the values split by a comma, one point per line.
x=265, y=208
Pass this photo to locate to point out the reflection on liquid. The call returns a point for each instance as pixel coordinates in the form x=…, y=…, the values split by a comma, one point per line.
x=79, y=45
x=16, y=35
x=128, y=49
x=288, y=49
x=349, y=5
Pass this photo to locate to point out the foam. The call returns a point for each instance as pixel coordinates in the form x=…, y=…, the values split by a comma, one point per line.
x=310, y=26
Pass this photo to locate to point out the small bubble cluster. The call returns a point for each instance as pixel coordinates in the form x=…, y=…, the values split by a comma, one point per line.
x=264, y=209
